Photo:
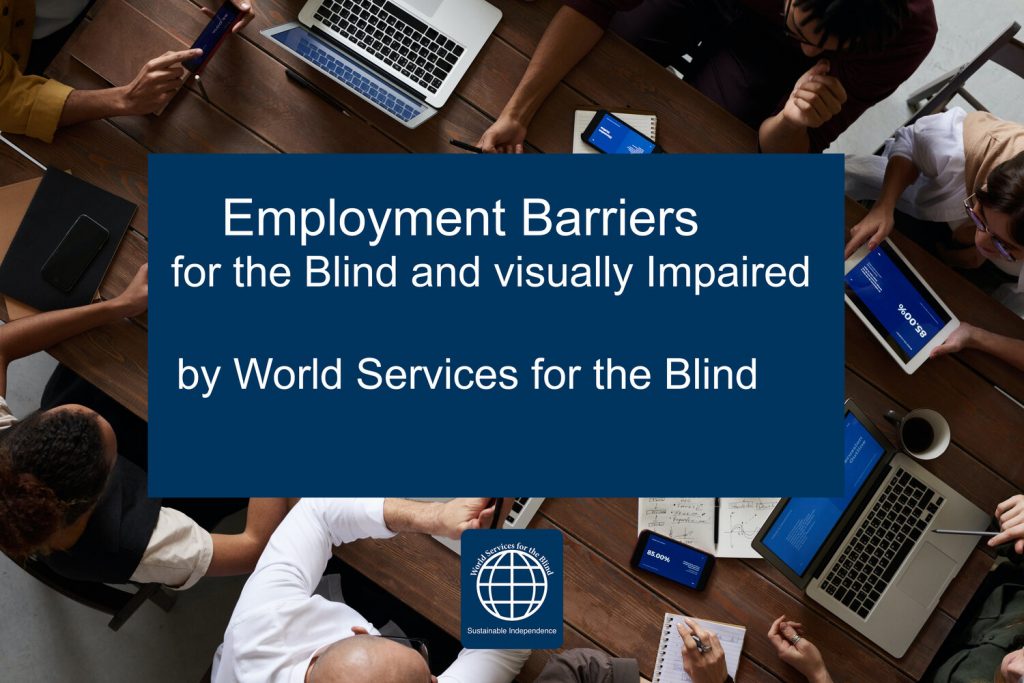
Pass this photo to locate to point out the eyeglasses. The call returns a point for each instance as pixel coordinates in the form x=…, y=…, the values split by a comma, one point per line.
x=795, y=33
x=1002, y=247
x=418, y=644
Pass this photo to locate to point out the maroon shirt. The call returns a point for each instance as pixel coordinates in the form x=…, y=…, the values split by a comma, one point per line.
x=751, y=69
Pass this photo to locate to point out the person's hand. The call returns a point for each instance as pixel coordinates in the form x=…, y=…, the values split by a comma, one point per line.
x=459, y=514
x=706, y=667
x=505, y=136
x=1010, y=514
x=959, y=340
x=135, y=298
x=873, y=228
x=247, y=15
x=795, y=650
x=816, y=98
x=1011, y=669
x=156, y=84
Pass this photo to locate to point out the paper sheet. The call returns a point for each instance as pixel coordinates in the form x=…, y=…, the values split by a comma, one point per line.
x=668, y=668
x=739, y=520
x=690, y=520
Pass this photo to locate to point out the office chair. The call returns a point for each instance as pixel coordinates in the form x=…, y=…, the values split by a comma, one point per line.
x=119, y=604
x=1006, y=51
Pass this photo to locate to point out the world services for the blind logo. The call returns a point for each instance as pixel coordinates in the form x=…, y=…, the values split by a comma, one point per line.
x=512, y=589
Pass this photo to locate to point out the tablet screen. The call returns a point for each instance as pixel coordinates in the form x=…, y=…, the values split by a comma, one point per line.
x=895, y=302
x=805, y=523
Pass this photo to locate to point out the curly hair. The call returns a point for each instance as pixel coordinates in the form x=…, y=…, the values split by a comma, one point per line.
x=52, y=470
x=858, y=25
x=1005, y=193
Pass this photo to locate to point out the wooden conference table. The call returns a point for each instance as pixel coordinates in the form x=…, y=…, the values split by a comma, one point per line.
x=254, y=108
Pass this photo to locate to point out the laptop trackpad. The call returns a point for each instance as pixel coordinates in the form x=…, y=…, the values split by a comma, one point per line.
x=929, y=571
x=427, y=7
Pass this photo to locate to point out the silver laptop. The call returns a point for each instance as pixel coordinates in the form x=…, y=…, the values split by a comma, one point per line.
x=869, y=556
x=518, y=514
x=405, y=57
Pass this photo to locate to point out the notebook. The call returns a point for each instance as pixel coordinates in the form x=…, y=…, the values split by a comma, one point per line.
x=56, y=205
x=668, y=667
x=645, y=123
x=721, y=526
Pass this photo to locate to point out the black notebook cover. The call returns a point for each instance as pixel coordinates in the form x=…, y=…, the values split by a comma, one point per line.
x=59, y=201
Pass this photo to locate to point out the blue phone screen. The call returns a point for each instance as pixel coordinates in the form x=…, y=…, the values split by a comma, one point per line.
x=673, y=560
x=612, y=136
x=207, y=41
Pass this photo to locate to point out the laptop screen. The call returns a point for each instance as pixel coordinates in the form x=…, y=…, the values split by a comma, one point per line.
x=804, y=524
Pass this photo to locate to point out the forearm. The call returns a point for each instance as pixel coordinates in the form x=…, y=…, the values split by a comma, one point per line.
x=91, y=105
x=235, y=554
x=403, y=516
x=778, y=135
x=39, y=332
x=1005, y=348
x=822, y=677
x=567, y=40
x=900, y=173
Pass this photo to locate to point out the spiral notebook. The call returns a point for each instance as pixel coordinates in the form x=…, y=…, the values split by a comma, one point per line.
x=642, y=121
x=721, y=526
x=669, y=665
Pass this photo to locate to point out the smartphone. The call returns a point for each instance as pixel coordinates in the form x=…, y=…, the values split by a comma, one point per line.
x=673, y=560
x=213, y=35
x=609, y=134
x=75, y=253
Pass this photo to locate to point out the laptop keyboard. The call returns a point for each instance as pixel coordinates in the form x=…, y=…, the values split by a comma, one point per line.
x=517, y=506
x=882, y=543
x=367, y=87
x=394, y=36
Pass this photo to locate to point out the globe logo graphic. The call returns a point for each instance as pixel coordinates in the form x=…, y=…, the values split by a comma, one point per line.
x=512, y=585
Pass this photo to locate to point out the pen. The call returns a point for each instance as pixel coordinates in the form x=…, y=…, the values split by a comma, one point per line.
x=962, y=532
x=464, y=145
x=316, y=90
x=21, y=152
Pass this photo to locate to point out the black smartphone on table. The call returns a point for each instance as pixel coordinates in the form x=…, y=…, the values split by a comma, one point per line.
x=210, y=40
x=609, y=134
x=672, y=560
x=75, y=253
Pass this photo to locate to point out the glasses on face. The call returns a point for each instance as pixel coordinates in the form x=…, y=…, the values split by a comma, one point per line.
x=794, y=31
x=1002, y=247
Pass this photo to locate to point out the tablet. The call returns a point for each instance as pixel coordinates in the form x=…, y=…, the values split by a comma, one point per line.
x=896, y=304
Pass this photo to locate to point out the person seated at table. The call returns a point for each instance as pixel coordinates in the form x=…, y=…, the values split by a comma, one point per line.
x=798, y=71
x=32, y=32
x=281, y=632
x=72, y=480
x=960, y=179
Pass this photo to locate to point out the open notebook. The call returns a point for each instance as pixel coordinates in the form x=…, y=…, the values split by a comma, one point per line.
x=668, y=667
x=721, y=526
x=645, y=123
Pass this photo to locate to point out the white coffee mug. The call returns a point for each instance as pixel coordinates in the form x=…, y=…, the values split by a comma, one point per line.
x=920, y=441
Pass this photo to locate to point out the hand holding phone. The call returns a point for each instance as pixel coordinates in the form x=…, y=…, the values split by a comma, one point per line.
x=210, y=40
x=672, y=560
x=609, y=134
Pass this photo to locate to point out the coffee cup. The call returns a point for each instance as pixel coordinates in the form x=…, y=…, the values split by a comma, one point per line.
x=923, y=433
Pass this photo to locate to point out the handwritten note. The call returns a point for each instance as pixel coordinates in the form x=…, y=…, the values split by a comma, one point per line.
x=668, y=668
x=693, y=521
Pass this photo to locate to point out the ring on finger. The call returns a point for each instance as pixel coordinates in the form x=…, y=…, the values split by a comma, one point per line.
x=796, y=639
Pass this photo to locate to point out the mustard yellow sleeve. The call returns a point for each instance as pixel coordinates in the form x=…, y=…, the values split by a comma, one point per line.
x=29, y=105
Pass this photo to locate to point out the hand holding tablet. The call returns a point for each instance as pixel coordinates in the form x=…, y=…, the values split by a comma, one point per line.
x=896, y=304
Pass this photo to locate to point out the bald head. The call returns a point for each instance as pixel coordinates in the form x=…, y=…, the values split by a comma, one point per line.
x=368, y=659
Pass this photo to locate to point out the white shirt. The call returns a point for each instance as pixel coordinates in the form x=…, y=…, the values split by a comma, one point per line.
x=935, y=145
x=53, y=15
x=279, y=625
x=179, y=550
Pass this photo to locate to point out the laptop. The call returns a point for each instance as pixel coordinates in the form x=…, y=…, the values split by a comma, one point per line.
x=519, y=512
x=404, y=57
x=868, y=555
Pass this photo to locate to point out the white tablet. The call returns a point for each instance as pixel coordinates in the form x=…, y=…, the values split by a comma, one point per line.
x=896, y=304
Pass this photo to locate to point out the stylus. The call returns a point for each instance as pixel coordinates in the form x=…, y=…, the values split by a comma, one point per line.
x=962, y=532
x=316, y=90
x=464, y=145
x=21, y=152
